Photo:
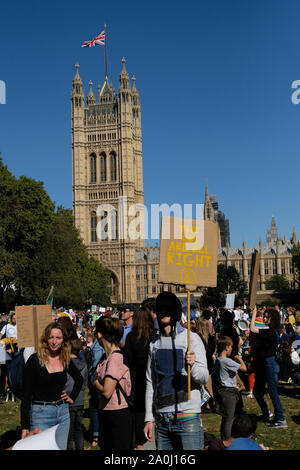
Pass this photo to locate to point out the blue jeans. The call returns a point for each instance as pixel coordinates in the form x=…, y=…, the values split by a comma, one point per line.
x=180, y=434
x=46, y=416
x=266, y=372
x=94, y=413
x=272, y=370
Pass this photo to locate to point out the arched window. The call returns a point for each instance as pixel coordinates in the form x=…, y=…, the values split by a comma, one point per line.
x=103, y=166
x=93, y=161
x=113, y=166
x=93, y=226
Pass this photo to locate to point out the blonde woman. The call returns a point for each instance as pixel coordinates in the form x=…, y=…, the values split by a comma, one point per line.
x=45, y=402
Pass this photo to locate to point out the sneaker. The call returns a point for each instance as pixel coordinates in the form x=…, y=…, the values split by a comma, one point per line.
x=278, y=424
x=266, y=419
x=250, y=395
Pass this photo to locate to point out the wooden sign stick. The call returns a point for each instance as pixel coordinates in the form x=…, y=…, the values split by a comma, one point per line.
x=189, y=341
x=189, y=288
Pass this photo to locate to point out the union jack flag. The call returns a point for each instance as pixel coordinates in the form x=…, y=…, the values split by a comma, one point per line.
x=100, y=39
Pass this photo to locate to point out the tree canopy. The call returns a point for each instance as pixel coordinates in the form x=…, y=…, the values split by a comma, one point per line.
x=228, y=282
x=277, y=282
x=40, y=247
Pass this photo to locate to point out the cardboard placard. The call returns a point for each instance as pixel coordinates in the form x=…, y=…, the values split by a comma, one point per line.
x=188, y=252
x=253, y=279
x=32, y=321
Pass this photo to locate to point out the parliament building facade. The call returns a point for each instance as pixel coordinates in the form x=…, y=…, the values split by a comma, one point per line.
x=107, y=172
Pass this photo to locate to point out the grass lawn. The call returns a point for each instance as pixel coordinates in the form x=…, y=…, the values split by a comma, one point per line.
x=277, y=439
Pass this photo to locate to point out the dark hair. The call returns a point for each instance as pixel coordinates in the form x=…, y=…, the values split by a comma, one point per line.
x=76, y=346
x=149, y=304
x=128, y=307
x=167, y=302
x=274, y=318
x=223, y=342
x=66, y=322
x=226, y=317
x=110, y=328
x=207, y=314
x=143, y=323
x=244, y=425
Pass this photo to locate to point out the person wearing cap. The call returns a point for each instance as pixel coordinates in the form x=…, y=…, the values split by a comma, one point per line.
x=126, y=316
x=177, y=420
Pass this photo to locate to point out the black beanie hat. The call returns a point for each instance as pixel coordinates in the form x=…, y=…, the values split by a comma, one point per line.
x=167, y=302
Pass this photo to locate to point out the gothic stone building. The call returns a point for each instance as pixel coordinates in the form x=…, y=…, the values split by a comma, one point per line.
x=107, y=168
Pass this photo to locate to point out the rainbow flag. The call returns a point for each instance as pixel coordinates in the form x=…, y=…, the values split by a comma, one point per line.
x=260, y=324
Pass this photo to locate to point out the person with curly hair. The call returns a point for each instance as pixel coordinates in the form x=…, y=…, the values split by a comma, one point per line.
x=45, y=402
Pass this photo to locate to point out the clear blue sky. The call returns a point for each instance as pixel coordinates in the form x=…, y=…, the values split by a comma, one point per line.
x=214, y=78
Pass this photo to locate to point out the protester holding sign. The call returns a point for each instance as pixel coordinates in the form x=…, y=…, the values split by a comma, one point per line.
x=45, y=402
x=177, y=418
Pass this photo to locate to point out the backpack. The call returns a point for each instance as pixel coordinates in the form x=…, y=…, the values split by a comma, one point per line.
x=89, y=359
x=129, y=398
x=15, y=369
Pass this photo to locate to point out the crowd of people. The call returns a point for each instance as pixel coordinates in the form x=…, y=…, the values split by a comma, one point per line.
x=149, y=378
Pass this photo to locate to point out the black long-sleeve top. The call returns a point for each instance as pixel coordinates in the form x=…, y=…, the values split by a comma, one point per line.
x=41, y=385
x=136, y=353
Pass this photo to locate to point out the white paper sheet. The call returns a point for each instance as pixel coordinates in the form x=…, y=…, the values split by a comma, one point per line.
x=43, y=441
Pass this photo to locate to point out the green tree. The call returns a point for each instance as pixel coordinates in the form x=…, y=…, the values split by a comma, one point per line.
x=228, y=282
x=61, y=259
x=7, y=190
x=277, y=282
x=40, y=247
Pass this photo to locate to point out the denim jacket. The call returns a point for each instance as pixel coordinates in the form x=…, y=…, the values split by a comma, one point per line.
x=166, y=376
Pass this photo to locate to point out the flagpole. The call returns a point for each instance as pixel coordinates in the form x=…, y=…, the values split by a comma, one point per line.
x=105, y=51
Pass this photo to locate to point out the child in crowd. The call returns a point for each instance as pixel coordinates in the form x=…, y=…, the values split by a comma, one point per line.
x=225, y=371
x=76, y=408
x=242, y=432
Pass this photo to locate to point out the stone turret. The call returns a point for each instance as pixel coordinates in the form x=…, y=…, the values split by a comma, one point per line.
x=90, y=100
x=77, y=95
x=209, y=213
x=294, y=237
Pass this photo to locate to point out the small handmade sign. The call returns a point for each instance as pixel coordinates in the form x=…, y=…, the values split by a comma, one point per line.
x=32, y=321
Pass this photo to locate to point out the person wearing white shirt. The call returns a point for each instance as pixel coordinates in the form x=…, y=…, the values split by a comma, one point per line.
x=10, y=329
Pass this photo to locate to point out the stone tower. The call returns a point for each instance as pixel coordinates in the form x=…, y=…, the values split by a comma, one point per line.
x=211, y=212
x=107, y=176
x=272, y=233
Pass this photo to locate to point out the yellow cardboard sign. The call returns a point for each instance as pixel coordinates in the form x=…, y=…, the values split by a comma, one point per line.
x=188, y=252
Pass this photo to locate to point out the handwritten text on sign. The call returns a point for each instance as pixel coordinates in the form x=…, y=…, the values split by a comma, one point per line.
x=189, y=256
